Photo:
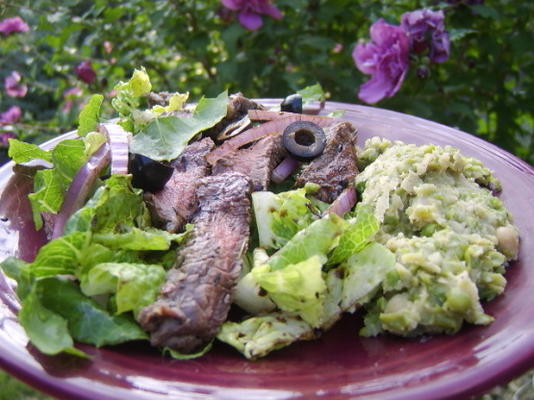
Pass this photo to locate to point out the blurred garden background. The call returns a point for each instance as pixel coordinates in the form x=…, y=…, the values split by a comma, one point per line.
x=464, y=63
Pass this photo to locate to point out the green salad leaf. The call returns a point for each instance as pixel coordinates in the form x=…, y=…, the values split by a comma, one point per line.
x=88, y=119
x=135, y=285
x=297, y=288
x=280, y=216
x=358, y=234
x=88, y=322
x=21, y=152
x=165, y=138
x=317, y=239
x=257, y=336
x=312, y=93
x=47, y=330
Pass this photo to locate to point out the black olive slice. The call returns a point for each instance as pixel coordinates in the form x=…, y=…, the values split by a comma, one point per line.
x=304, y=140
x=148, y=174
x=292, y=103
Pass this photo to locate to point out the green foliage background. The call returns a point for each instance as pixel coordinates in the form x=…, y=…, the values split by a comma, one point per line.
x=485, y=88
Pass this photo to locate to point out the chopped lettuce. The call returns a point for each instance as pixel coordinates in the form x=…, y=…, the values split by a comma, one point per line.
x=50, y=185
x=364, y=272
x=257, y=336
x=115, y=207
x=21, y=152
x=358, y=234
x=129, y=93
x=298, y=288
x=280, y=216
x=134, y=285
x=318, y=238
x=47, y=330
x=88, y=119
x=176, y=103
x=88, y=321
x=165, y=138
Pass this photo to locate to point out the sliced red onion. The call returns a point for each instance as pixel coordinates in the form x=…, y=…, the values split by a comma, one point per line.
x=344, y=203
x=80, y=187
x=284, y=169
x=119, y=141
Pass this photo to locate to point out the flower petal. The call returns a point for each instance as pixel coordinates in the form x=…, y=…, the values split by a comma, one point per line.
x=13, y=25
x=250, y=20
x=232, y=4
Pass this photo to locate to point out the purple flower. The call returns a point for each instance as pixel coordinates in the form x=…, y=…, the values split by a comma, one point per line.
x=426, y=30
x=85, y=72
x=13, y=86
x=385, y=58
x=250, y=11
x=10, y=116
x=70, y=95
x=4, y=138
x=13, y=25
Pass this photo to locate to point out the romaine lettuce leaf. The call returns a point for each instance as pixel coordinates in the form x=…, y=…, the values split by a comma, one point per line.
x=280, y=216
x=60, y=256
x=134, y=285
x=257, y=336
x=21, y=152
x=88, y=118
x=137, y=239
x=47, y=330
x=165, y=138
x=50, y=185
x=128, y=93
x=113, y=208
x=298, y=288
x=87, y=321
x=176, y=103
x=18, y=270
x=364, y=271
x=358, y=234
x=317, y=239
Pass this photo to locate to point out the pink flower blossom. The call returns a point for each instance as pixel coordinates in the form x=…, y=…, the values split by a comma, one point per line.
x=13, y=86
x=13, y=25
x=10, y=116
x=4, y=138
x=426, y=30
x=385, y=58
x=85, y=72
x=70, y=96
x=250, y=11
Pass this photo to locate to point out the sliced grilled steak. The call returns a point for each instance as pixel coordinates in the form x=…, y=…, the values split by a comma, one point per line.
x=173, y=206
x=257, y=161
x=336, y=168
x=196, y=297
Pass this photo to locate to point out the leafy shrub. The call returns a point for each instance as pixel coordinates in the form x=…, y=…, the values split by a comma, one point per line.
x=485, y=86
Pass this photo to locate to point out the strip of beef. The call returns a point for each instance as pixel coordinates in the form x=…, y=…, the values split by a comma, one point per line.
x=196, y=297
x=257, y=161
x=336, y=168
x=174, y=205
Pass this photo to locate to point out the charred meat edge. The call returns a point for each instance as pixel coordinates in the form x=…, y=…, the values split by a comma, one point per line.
x=336, y=168
x=174, y=205
x=196, y=298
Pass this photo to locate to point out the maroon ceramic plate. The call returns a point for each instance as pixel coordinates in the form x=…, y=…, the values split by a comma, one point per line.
x=340, y=365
